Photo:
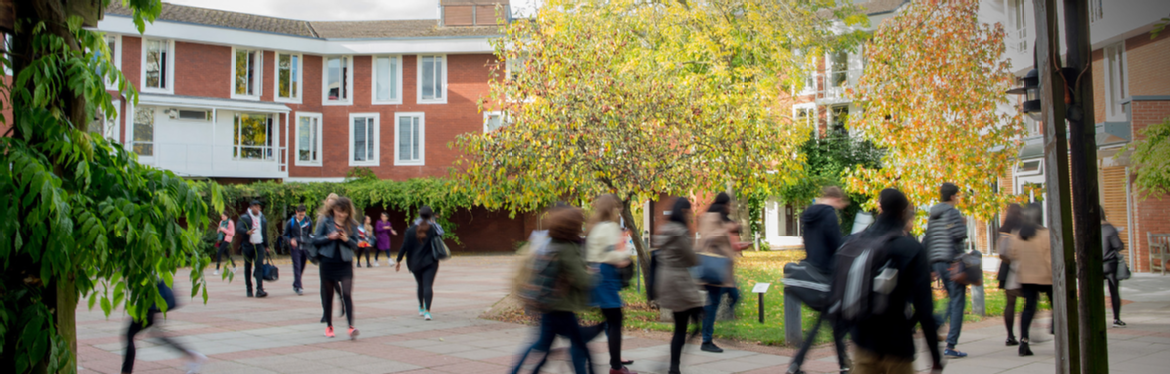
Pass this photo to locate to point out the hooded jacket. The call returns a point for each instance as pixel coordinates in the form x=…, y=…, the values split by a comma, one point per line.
x=945, y=232
x=822, y=235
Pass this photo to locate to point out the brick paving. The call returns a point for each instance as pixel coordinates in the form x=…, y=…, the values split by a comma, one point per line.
x=282, y=333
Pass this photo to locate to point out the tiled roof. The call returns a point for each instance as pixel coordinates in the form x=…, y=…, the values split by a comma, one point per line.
x=311, y=29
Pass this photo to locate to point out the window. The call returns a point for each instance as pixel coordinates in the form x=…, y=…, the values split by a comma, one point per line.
x=194, y=115
x=158, y=62
x=515, y=66
x=363, y=139
x=493, y=121
x=308, y=139
x=432, y=78
x=288, y=77
x=246, y=65
x=840, y=118
x=1018, y=18
x=114, y=44
x=805, y=115
x=1096, y=10
x=143, y=138
x=338, y=80
x=410, y=145
x=104, y=127
x=1116, y=83
x=387, y=80
x=1029, y=168
x=839, y=68
x=253, y=137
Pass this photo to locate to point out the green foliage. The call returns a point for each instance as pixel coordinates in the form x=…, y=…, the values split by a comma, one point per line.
x=82, y=215
x=1159, y=27
x=1152, y=156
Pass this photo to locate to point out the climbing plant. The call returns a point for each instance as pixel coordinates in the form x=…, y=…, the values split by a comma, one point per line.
x=1151, y=154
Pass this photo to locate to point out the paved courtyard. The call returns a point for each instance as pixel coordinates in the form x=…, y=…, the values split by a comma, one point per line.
x=282, y=333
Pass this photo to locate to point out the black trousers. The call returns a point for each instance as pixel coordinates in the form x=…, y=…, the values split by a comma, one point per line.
x=681, y=320
x=425, y=278
x=1031, y=298
x=1114, y=287
x=254, y=254
x=328, y=286
x=1009, y=310
x=613, y=333
x=224, y=248
x=137, y=327
x=838, y=340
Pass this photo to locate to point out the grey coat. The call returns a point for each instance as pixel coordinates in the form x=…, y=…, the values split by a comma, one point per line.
x=945, y=232
x=675, y=288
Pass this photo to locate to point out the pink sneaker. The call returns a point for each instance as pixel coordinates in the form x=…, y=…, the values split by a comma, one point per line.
x=353, y=333
x=329, y=331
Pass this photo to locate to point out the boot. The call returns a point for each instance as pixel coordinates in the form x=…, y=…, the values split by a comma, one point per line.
x=1024, y=351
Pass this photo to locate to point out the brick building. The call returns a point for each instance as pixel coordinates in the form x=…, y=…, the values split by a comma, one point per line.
x=239, y=97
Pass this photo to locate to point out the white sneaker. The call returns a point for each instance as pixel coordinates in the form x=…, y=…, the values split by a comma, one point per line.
x=421, y=312
x=427, y=316
x=377, y=264
x=196, y=363
x=216, y=272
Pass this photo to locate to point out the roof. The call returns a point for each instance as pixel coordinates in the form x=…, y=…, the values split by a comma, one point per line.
x=882, y=6
x=313, y=29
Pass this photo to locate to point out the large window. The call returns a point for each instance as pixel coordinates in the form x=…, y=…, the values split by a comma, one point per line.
x=288, y=77
x=338, y=80
x=363, y=139
x=143, y=138
x=839, y=68
x=839, y=120
x=410, y=145
x=1019, y=25
x=158, y=63
x=308, y=139
x=114, y=44
x=253, y=137
x=1116, y=82
x=106, y=127
x=493, y=121
x=805, y=115
x=246, y=65
x=432, y=79
x=387, y=80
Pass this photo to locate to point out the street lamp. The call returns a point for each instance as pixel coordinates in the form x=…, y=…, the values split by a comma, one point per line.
x=1031, y=90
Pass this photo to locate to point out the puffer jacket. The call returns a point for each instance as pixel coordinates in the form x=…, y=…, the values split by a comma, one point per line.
x=1110, y=242
x=945, y=232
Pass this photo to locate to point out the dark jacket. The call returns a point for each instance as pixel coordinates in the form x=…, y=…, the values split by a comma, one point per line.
x=822, y=235
x=1110, y=242
x=419, y=254
x=945, y=232
x=327, y=247
x=245, y=224
x=892, y=333
x=577, y=280
x=301, y=231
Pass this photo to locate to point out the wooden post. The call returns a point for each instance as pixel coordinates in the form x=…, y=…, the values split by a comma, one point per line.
x=792, y=334
x=1057, y=187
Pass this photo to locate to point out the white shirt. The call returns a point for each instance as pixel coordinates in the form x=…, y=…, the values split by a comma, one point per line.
x=258, y=233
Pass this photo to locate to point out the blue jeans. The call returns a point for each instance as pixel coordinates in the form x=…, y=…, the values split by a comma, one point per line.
x=551, y=325
x=958, y=295
x=714, y=295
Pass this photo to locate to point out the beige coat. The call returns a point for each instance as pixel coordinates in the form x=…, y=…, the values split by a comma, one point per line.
x=714, y=238
x=1032, y=258
x=675, y=288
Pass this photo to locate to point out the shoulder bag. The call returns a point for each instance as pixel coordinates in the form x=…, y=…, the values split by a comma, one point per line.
x=439, y=248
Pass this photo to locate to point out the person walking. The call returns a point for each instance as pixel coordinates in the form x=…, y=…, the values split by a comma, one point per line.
x=365, y=237
x=1007, y=281
x=884, y=342
x=1031, y=254
x=945, y=231
x=335, y=239
x=822, y=237
x=421, y=261
x=674, y=287
x=252, y=227
x=326, y=210
x=227, y=232
x=298, y=231
x=382, y=232
x=605, y=253
x=715, y=228
x=195, y=359
x=1112, y=245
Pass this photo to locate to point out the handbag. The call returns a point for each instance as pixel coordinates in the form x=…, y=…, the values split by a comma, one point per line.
x=1123, y=272
x=968, y=269
x=439, y=248
x=712, y=269
x=271, y=272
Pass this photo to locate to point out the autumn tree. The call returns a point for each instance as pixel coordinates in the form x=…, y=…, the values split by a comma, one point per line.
x=930, y=94
x=642, y=98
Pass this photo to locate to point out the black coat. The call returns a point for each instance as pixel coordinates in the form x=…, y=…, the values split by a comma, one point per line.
x=822, y=235
x=245, y=224
x=419, y=254
x=327, y=247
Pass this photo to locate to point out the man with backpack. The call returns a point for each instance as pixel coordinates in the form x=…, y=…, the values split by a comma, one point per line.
x=882, y=289
x=945, y=232
x=822, y=237
x=297, y=231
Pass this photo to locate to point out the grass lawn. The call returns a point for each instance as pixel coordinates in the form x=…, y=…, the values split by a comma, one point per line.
x=768, y=267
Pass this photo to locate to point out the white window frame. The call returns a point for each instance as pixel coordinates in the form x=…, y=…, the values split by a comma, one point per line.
x=297, y=139
x=377, y=140
x=268, y=151
x=300, y=69
x=169, y=79
x=325, y=80
x=130, y=142
x=112, y=128
x=116, y=55
x=1115, y=92
x=419, y=63
x=812, y=114
x=257, y=79
x=487, y=116
x=374, y=80
x=422, y=139
x=811, y=77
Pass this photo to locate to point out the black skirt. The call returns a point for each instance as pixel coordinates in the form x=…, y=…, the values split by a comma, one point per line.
x=336, y=270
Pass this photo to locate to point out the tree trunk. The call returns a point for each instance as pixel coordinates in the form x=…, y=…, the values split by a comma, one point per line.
x=636, y=235
x=66, y=319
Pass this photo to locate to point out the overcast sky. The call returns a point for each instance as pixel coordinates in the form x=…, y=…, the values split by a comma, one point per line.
x=317, y=10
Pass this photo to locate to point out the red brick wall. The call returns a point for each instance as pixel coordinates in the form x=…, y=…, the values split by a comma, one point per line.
x=1147, y=63
x=201, y=70
x=1151, y=215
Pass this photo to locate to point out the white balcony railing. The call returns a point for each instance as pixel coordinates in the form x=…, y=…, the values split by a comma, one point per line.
x=831, y=85
x=207, y=160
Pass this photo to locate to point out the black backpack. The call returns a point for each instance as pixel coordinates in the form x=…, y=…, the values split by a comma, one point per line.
x=864, y=278
x=808, y=284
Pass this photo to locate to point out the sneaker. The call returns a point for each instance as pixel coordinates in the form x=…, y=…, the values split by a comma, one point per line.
x=951, y=353
x=196, y=363
x=328, y=331
x=1011, y=342
x=421, y=311
x=299, y=291
x=216, y=272
x=261, y=293
x=427, y=316
x=711, y=347
x=377, y=264
x=353, y=333
x=1118, y=323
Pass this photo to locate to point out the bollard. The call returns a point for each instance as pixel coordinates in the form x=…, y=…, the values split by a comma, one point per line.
x=792, y=334
x=761, y=307
x=977, y=305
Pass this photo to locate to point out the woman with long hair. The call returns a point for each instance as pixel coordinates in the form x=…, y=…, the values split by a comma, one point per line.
x=1112, y=245
x=227, y=232
x=421, y=259
x=365, y=233
x=1011, y=222
x=605, y=253
x=715, y=237
x=335, y=239
x=326, y=210
x=382, y=232
x=1031, y=254
x=674, y=288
